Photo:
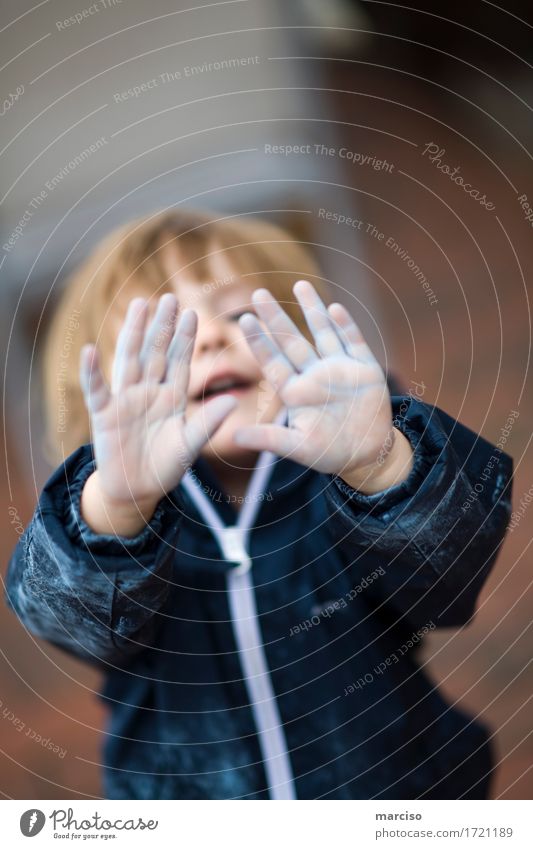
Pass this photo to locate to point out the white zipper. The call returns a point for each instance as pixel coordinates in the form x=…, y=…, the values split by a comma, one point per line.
x=245, y=622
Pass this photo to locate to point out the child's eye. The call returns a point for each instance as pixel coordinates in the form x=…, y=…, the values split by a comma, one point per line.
x=236, y=315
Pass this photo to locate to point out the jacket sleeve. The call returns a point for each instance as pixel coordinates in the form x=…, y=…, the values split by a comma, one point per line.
x=97, y=596
x=437, y=534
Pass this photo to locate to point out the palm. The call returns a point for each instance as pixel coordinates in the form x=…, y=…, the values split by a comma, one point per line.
x=142, y=440
x=134, y=436
x=338, y=405
x=341, y=425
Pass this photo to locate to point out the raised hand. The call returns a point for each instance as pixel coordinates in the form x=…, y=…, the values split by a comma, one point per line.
x=338, y=403
x=142, y=441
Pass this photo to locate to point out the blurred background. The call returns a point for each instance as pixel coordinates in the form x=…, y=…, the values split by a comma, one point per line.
x=120, y=108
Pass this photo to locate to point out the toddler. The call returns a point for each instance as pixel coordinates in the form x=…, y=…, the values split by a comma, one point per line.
x=247, y=533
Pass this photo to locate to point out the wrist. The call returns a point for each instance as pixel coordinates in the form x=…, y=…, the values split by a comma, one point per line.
x=105, y=515
x=387, y=471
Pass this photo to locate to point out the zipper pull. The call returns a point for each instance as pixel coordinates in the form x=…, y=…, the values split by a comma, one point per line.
x=233, y=548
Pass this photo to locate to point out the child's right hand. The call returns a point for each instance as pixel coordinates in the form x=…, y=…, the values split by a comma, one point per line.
x=142, y=441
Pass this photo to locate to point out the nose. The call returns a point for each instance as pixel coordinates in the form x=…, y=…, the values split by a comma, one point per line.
x=213, y=333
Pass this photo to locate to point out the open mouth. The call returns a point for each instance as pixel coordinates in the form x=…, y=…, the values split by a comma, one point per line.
x=224, y=386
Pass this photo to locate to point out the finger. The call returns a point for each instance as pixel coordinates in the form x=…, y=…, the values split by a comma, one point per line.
x=270, y=437
x=319, y=393
x=95, y=391
x=158, y=338
x=126, y=365
x=274, y=364
x=317, y=318
x=321, y=386
x=179, y=357
x=349, y=333
x=294, y=345
x=205, y=422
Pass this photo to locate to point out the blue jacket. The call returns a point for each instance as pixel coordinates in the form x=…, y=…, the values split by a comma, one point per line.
x=346, y=586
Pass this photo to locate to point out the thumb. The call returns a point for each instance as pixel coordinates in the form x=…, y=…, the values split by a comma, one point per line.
x=205, y=422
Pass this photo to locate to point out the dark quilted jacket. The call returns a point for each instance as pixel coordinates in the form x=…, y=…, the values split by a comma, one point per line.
x=346, y=585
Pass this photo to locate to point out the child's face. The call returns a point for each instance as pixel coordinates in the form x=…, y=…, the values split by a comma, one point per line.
x=221, y=353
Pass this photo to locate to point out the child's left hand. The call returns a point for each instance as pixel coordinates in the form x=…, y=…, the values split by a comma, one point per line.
x=338, y=403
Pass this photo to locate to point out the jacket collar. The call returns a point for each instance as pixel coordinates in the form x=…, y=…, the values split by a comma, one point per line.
x=285, y=476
